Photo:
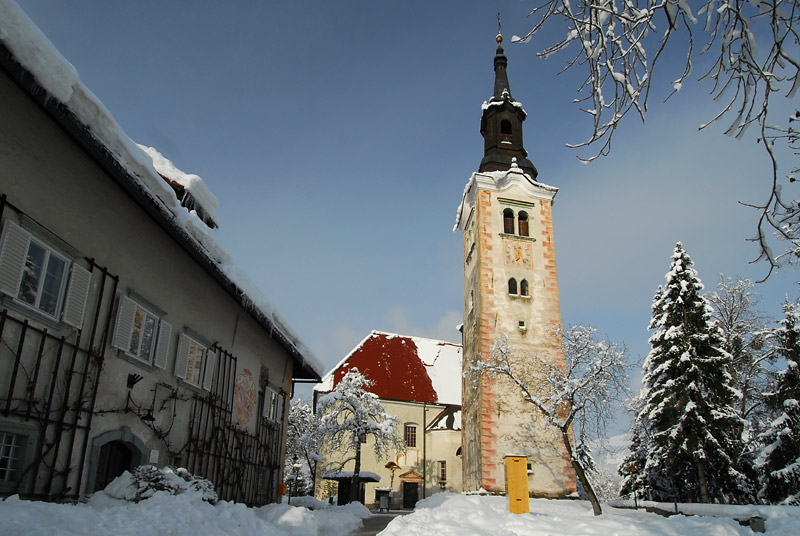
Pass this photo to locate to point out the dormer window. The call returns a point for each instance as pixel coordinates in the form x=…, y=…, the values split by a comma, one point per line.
x=523, y=224
x=508, y=221
x=505, y=131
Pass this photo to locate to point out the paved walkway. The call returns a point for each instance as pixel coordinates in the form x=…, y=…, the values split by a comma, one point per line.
x=375, y=524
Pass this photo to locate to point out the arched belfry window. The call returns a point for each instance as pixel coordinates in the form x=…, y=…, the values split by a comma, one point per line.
x=505, y=131
x=508, y=221
x=523, y=288
x=523, y=224
x=512, y=286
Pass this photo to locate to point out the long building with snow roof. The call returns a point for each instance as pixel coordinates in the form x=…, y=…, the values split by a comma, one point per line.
x=129, y=336
x=418, y=381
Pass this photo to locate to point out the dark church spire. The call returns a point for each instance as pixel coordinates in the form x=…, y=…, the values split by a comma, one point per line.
x=501, y=123
x=500, y=75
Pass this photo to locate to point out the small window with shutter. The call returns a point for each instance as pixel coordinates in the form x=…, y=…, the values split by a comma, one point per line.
x=273, y=405
x=523, y=224
x=194, y=363
x=508, y=221
x=35, y=274
x=139, y=332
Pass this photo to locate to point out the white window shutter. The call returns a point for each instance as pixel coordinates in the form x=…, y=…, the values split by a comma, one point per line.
x=13, y=252
x=124, y=328
x=182, y=357
x=162, y=346
x=211, y=365
x=77, y=294
x=267, y=402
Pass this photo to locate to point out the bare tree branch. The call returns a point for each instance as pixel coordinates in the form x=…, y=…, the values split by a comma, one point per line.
x=755, y=48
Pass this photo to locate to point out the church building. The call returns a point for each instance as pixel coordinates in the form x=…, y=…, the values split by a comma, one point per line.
x=510, y=290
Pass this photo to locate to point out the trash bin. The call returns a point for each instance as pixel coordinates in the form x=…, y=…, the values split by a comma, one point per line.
x=384, y=503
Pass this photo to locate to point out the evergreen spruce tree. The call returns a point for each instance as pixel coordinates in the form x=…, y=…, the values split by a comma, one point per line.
x=631, y=469
x=694, y=435
x=780, y=460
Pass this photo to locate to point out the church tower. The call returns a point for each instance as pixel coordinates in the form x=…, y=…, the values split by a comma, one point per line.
x=510, y=289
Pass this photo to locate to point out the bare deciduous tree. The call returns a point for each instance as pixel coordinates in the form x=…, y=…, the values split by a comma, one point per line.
x=580, y=394
x=747, y=338
x=755, y=57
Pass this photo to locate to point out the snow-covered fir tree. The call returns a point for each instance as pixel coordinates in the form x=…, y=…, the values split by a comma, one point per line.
x=350, y=417
x=780, y=460
x=688, y=420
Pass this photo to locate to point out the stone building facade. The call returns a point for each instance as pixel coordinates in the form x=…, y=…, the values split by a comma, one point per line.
x=418, y=383
x=126, y=337
x=510, y=290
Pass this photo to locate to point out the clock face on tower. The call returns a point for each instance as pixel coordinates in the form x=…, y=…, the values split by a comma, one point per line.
x=517, y=253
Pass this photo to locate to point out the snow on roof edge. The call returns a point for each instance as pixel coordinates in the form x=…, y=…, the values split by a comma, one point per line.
x=60, y=80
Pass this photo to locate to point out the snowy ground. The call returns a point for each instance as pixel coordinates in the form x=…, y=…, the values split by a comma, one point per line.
x=444, y=514
x=174, y=515
x=448, y=514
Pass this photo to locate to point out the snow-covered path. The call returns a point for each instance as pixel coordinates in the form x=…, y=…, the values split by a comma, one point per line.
x=444, y=514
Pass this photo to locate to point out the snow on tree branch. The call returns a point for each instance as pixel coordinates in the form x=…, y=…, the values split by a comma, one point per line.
x=754, y=49
x=349, y=416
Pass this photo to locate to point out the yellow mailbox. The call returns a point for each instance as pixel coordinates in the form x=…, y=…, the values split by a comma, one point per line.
x=517, y=484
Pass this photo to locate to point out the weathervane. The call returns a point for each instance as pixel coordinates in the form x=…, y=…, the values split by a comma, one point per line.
x=499, y=27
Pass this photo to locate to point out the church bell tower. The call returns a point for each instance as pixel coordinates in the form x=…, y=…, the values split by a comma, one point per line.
x=510, y=290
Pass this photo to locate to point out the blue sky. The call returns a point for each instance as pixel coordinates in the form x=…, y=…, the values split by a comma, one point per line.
x=338, y=137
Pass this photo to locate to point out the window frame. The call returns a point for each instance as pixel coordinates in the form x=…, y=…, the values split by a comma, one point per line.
x=124, y=329
x=73, y=285
x=523, y=223
x=443, y=470
x=509, y=221
x=524, y=288
x=410, y=432
x=39, y=292
x=273, y=405
x=513, y=289
x=27, y=446
x=204, y=372
x=506, y=131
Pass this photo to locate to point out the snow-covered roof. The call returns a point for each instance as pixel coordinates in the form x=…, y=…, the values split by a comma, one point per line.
x=413, y=369
x=195, y=193
x=26, y=52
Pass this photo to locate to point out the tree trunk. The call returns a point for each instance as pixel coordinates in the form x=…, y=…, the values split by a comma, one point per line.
x=355, y=483
x=581, y=474
x=701, y=480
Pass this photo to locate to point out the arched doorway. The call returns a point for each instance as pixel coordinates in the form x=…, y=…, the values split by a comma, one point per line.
x=112, y=453
x=116, y=457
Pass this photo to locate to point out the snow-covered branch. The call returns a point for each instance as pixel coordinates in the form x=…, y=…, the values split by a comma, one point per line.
x=755, y=53
x=579, y=390
x=350, y=417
